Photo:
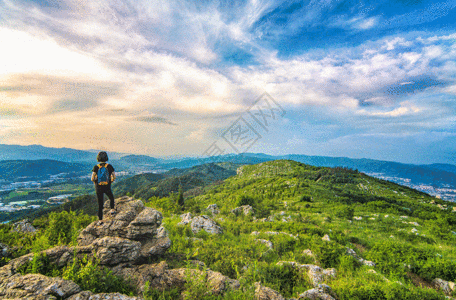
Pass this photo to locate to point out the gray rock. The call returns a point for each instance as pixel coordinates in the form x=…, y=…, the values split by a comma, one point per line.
x=36, y=286
x=308, y=252
x=446, y=286
x=145, y=225
x=206, y=224
x=265, y=293
x=266, y=242
x=102, y=296
x=116, y=250
x=315, y=273
x=213, y=209
x=23, y=226
x=244, y=209
x=4, y=250
x=185, y=218
x=133, y=234
x=321, y=292
x=326, y=238
x=162, y=278
x=352, y=253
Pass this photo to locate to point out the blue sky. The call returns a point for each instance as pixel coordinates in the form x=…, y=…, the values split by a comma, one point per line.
x=372, y=79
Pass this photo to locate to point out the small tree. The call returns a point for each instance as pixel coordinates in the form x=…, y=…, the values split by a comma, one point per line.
x=180, y=199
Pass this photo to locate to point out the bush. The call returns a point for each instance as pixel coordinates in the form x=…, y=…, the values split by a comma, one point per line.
x=90, y=276
x=347, y=212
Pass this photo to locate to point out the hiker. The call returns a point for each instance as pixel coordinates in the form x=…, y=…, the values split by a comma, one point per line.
x=102, y=176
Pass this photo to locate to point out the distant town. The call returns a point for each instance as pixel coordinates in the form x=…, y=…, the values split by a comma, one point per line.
x=445, y=192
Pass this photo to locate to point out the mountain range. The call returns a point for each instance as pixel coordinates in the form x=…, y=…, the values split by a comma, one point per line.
x=432, y=178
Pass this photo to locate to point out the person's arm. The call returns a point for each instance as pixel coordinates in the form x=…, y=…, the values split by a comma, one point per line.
x=94, y=177
x=113, y=176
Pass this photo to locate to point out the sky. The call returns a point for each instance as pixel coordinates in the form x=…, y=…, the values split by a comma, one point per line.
x=360, y=79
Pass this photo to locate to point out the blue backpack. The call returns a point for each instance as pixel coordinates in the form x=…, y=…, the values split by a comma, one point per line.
x=103, y=174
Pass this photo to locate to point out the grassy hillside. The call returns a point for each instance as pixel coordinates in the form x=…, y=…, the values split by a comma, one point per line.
x=297, y=210
x=405, y=232
x=145, y=186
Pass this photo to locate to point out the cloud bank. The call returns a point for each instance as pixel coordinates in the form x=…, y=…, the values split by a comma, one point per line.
x=168, y=77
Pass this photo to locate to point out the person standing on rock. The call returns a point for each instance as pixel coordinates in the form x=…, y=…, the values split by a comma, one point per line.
x=103, y=176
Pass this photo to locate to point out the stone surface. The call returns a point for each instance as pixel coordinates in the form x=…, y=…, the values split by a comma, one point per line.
x=265, y=293
x=36, y=286
x=244, y=209
x=320, y=292
x=23, y=226
x=266, y=243
x=133, y=234
x=316, y=274
x=102, y=296
x=326, y=238
x=205, y=223
x=162, y=278
x=4, y=250
x=446, y=286
x=115, y=250
x=213, y=208
x=129, y=237
x=308, y=252
x=185, y=218
x=352, y=253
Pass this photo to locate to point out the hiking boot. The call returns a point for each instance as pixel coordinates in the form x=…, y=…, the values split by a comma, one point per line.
x=99, y=223
x=112, y=212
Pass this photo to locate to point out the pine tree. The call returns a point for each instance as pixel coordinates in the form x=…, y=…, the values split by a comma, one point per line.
x=180, y=199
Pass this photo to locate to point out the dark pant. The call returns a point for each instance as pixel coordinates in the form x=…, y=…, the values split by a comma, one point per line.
x=101, y=190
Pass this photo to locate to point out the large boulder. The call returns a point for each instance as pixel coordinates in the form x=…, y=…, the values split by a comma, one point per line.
x=185, y=218
x=36, y=286
x=447, y=287
x=133, y=234
x=86, y=295
x=4, y=250
x=265, y=293
x=321, y=292
x=23, y=226
x=161, y=277
x=205, y=223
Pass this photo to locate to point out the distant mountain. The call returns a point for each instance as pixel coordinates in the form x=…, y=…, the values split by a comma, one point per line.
x=437, y=174
x=139, y=159
x=17, y=169
x=35, y=152
x=148, y=185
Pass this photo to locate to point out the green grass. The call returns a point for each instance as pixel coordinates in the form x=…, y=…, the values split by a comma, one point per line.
x=373, y=217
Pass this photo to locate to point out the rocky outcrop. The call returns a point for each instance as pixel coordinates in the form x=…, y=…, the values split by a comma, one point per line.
x=132, y=235
x=326, y=238
x=266, y=243
x=23, y=226
x=185, y=219
x=316, y=274
x=446, y=286
x=320, y=292
x=213, y=209
x=162, y=278
x=36, y=286
x=103, y=296
x=265, y=293
x=4, y=250
x=361, y=260
x=244, y=209
x=205, y=223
